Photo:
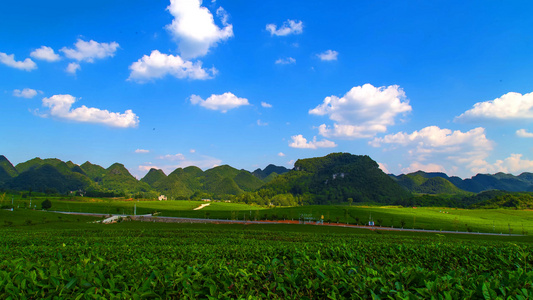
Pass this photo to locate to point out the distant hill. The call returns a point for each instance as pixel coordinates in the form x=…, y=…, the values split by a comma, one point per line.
x=118, y=178
x=263, y=174
x=48, y=178
x=95, y=172
x=428, y=183
x=7, y=170
x=337, y=177
x=334, y=178
x=153, y=176
x=476, y=184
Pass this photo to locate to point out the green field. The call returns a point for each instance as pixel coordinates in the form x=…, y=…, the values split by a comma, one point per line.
x=502, y=221
x=71, y=259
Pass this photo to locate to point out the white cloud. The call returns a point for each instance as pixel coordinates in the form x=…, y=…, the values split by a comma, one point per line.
x=45, y=53
x=513, y=164
x=172, y=157
x=281, y=154
x=288, y=27
x=286, y=61
x=222, y=102
x=194, y=27
x=261, y=123
x=192, y=151
x=72, y=68
x=91, y=50
x=158, y=65
x=363, y=111
x=523, y=133
x=511, y=106
x=298, y=141
x=328, y=55
x=9, y=60
x=416, y=166
x=25, y=93
x=142, y=151
x=465, y=149
x=266, y=105
x=60, y=106
x=384, y=168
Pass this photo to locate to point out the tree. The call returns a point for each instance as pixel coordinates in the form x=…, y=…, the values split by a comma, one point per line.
x=46, y=204
x=350, y=200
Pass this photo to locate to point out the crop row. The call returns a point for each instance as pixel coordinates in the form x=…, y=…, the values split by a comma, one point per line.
x=217, y=264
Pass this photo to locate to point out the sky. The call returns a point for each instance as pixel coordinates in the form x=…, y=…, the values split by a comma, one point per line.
x=438, y=86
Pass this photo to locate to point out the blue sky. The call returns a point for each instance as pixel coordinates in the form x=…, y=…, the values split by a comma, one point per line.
x=431, y=85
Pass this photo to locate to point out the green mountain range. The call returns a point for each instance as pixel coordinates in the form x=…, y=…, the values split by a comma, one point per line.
x=476, y=184
x=335, y=178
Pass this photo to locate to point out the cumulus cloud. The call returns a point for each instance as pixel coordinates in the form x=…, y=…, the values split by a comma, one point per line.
x=298, y=141
x=513, y=164
x=281, y=154
x=221, y=103
x=288, y=27
x=60, y=106
x=328, y=55
x=286, y=61
x=432, y=143
x=266, y=105
x=72, y=68
x=194, y=27
x=362, y=112
x=158, y=65
x=142, y=151
x=9, y=60
x=511, y=106
x=91, y=50
x=523, y=133
x=25, y=93
x=45, y=53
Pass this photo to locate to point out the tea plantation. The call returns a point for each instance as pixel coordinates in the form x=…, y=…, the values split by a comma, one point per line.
x=68, y=258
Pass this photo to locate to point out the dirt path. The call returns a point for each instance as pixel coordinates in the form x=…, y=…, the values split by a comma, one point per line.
x=202, y=206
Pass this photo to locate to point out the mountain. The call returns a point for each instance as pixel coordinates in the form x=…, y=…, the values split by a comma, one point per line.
x=337, y=177
x=48, y=178
x=428, y=183
x=181, y=183
x=263, y=174
x=118, y=178
x=476, y=184
x=95, y=172
x=7, y=170
x=215, y=182
x=153, y=177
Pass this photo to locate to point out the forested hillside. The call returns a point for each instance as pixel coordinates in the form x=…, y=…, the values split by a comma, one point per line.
x=337, y=178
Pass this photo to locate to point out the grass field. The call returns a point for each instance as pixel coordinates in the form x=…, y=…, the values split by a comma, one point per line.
x=503, y=221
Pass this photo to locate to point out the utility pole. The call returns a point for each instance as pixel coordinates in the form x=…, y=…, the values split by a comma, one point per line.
x=134, y=209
